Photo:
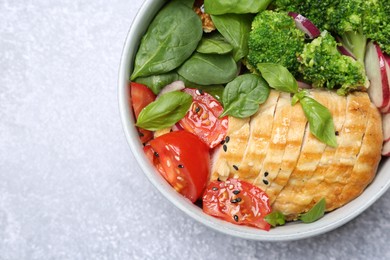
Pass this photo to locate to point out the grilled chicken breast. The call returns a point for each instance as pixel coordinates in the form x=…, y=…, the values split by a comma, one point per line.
x=275, y=151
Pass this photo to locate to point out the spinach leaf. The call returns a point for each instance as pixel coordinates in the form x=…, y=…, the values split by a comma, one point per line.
x=278, y=77
x=157, y=82
x=320, y=121
x=189, y=3
x=209, y=69
x=215, y=90
x=315, y=212
x=167, y=110
x=214, y=44
x=170, y=39
x=275, y=218
x=242, y=97
x=235, y=28
x=234, y=6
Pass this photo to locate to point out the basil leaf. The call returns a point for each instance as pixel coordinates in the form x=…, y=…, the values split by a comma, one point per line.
x=170, y=39
x=315, y=213
x=167, y=110
x=278, y=77
x=214, y=44
x=209, y=69
x=157, y=82
x=234, y=6
x=242, y=97
x=235, y=28
x=275, y=218
x=298, y=96
x=320, y=121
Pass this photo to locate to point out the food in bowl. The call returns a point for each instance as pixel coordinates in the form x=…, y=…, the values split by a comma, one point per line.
x=282, y=113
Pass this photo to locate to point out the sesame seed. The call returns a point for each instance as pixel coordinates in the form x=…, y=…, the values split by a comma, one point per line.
x=236, y=200
x=140, y=134
x=235, y=218
x=223, y=141
x=224, y=147
x=218, y=179
x=337, y=133
x=236, y=192
x=265, y=174
x=235, y=167
x=227, y=139
x=265, y=182
x=156, y=154
x=180, y=166
x=197, y=109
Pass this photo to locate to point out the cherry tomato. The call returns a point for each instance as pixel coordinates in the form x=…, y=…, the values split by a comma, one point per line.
x=183, y=160
x=238, y=202
x=203, y=119
x=140, y=97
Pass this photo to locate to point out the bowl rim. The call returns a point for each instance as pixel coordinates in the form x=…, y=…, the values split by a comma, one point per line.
x=290, y=231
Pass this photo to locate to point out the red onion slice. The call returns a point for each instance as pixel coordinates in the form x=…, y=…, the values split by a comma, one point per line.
x=305, y=25
x=174, y=86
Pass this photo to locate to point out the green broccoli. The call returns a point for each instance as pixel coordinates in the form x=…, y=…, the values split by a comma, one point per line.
x=376, y=22
x=274, y=38
x=324, y=66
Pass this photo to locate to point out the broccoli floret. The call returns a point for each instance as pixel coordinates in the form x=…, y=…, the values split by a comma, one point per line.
x=274, y=38
x=376, y=22
x=325, y=67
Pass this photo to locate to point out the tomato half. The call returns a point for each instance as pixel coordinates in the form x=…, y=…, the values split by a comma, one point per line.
x=183, y=160
x=238, y=202
x=140, y=97
x=203, y=119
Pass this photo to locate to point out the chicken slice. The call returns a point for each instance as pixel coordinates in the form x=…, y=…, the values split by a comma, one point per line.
x=260, y=134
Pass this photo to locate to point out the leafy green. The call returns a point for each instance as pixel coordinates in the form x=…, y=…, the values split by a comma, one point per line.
x=157, y=82
x=215, y=43
x=215, y=90
x=320, y=121
x=168, y=41
x=242, y=97
x=275, y=218
x=278, y=77
x=234, y=6
x=314, y=213
x=209, y=69
x=235, y=28
x=168, y=109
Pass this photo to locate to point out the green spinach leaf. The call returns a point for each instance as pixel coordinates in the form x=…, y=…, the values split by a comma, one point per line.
x=275, y=218
x=209, y=69
x=278, y=77
x=170, y=39
x=320, y=120
x=215, y=90
x=234, y=6
x=315, y=212
x=167, y=110
x=157, y=82
x=215, y=43
x=235, y=28
x=242, y=97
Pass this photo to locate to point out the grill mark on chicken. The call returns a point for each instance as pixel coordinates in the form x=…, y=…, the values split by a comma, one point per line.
x=364, y=168
x=277, y=143
x=296, y=133
x=260, y=133
x=223, y=161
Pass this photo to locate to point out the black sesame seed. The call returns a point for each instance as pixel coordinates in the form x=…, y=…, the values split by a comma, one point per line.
x=156, y=154
x=235, y=218
x=337, y=133
x=235, y=167
x=218, y=179
x=236, y=192
x=180, y=166
x=214, y=188
x=140, y=134
x=200, y=91
x=227, y=139
x=225, y=147
x=236, y=200
x=265, y=174
x=223, y=141
x=197, y=109
x=265, y=182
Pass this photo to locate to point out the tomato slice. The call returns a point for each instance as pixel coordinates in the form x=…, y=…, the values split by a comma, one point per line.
x=140, y=97
x=238, y=202
x=183, y=160
x=203, y=119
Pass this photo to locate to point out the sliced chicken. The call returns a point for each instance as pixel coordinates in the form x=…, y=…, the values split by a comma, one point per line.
x=275, y=150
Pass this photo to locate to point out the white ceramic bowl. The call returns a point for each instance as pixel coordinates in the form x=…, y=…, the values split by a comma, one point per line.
x=291, y=231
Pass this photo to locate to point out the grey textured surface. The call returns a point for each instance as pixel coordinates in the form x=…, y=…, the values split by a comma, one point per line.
x=69, y=185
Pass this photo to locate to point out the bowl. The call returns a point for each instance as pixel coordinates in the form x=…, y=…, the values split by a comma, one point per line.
x=290, y=231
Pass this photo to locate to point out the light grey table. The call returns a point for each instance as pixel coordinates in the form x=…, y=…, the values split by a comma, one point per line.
x=69, y=185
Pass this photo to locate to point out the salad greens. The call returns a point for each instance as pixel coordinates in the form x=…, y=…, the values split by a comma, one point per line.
x=214, y=43
x=233, y=6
